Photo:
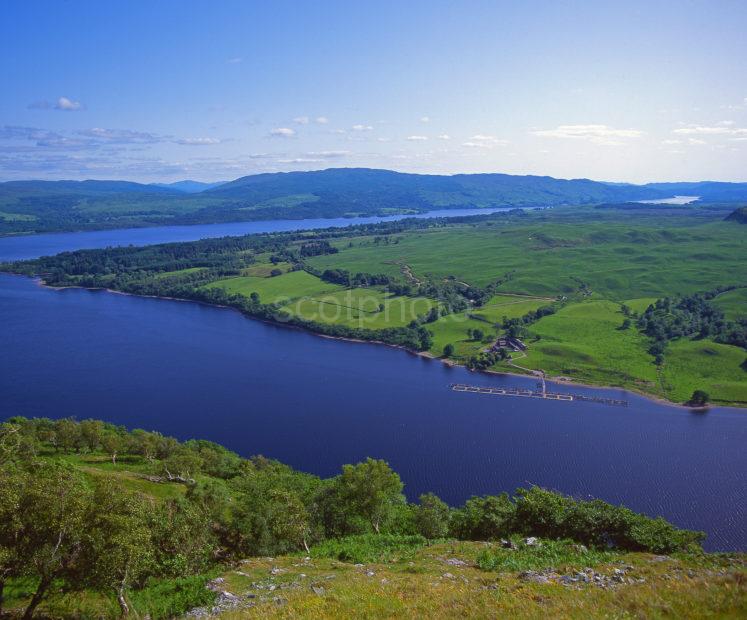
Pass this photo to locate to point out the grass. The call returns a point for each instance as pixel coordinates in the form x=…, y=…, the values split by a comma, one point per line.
x=706, y=365
x=584, y=341
x=360, y=307
x=428, y=584
x=556, y=554
x=178, y=272
x=264, y=270
x=508, y=306
x=733, y=303
x=280, y=289
x=369, y=548
x=159, y=599
x=452, y=329
x=618, y=258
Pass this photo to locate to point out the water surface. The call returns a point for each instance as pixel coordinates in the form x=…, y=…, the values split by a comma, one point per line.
x=191, y=370
x=24, y=247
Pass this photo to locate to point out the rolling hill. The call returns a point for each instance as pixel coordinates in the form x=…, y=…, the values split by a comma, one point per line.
x=45, y=206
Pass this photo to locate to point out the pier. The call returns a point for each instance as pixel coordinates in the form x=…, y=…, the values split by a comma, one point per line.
x=540, y=393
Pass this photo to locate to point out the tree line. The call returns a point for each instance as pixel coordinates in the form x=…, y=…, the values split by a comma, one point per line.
x=86, y=529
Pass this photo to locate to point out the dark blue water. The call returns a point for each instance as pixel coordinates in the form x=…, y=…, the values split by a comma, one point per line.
x=197, y=371
x=33, y=246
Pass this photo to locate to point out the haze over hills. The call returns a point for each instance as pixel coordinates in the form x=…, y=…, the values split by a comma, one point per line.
x=37, y=206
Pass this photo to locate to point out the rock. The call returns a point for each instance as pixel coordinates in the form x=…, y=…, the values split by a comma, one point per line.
x=358, y=565
x=455, y=562
x=532, y=541
x=277, y=571
x=660, y=558
x=280, y=601
x=318, y=590
x=383, y=581
x=447, y=576
x=507, y=544
x=534, y=577
x=370, y=573
x=580, y=549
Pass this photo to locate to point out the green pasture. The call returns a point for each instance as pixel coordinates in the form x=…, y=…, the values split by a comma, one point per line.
x=508, y=306
x=733, y=303
x=621, y=258
x=280, y=289
x=360, y=307
x=718, y=369
x=584, y=341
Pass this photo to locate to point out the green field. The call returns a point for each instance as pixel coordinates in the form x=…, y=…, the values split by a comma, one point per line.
x=733, y=304
x=509, y=307
x=618, y=260
x=718, y=369
x=280, y=289
x=583, y=341
x=360, y=308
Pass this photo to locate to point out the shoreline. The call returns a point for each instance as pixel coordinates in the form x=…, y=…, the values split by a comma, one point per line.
x=425, y=355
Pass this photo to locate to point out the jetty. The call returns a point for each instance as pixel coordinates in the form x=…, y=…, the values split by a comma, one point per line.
x=539, y=393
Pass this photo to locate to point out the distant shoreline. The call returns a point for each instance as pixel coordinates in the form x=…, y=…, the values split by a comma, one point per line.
x=422, y=354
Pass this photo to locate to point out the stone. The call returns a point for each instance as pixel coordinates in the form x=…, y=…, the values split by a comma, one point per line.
x=370, y=573
x=507, y=544
x=276, y=571
x=455, y=562
x=447, y=576
x=319, y=590
x=532, y=541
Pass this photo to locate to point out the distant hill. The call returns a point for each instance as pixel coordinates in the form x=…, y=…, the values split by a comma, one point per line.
x=40, y=206
x=362, y=188
x=87, y=188
x=189, y=187
x=738, y=215
x=707, y=190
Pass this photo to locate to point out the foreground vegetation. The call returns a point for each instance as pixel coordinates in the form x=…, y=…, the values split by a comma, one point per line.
x=637, y=297
x=99, y=521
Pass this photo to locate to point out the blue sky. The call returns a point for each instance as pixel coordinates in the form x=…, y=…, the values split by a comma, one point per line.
x=160, y=91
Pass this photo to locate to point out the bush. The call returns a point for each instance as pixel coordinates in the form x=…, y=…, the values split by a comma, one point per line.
x=369, y=548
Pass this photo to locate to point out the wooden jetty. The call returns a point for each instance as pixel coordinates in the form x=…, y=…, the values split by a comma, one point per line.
x=542, y=393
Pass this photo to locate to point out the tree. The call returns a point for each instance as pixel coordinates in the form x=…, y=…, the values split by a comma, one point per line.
x=699, y=398
x=113, y=443
x=432, y=517
x=370, y=490
x=90, y=433
x=12, y=482
x=449, y=350
x=117, y=547
x=52, y=508
x=68, y=434
x=289, y=518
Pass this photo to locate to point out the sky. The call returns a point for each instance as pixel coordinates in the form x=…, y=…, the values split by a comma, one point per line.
x=162, y=91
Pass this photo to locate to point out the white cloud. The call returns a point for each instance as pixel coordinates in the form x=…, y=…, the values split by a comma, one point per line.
x=697, y=141
x=425, y=119
x=68, y=105
x=328, y=154
x=483, y=141
x=198, y=141
x=417, y=138
x=724, y=128
x=321, y=120
x=301, y=120
x=235, y=60
x=444, y=136
x=283, y=132
x=671, y=141
x=596, y=134
x=362, y=128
